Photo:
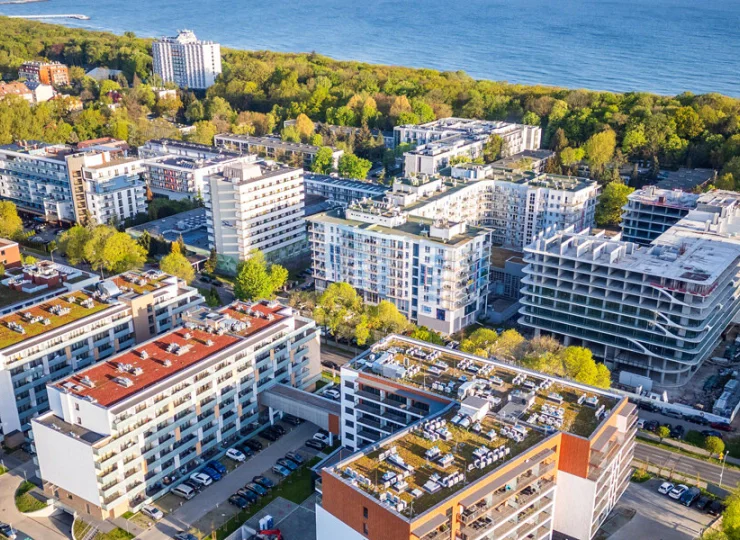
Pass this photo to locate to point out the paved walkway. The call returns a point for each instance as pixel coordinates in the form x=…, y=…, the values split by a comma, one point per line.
x=35, y=528
x=689, y=466
x=217, y=494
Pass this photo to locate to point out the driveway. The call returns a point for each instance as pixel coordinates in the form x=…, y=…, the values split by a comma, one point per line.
x=654, y=516
x=217, y=494
x=35, y=528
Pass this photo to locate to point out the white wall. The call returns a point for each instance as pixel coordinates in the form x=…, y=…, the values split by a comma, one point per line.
x=75, y=473
x=575, y=497
x=330, y=528
x=8, y=409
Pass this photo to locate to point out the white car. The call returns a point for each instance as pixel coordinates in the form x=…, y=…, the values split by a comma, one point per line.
x=201, y=478
x=677, y=491
x=665, y=488
x=152, y=511
x=322, y=437
x=332, y=393
x=641, y=424
x=236, y=455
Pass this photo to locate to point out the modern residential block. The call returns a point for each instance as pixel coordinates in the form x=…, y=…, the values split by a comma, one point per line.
x=437, y=142
x=454, y=446
x=55, y=338
x=296, y=154
x=187, y=61
x=651, y=211
x=256, y=205
x=157, y=411
x=341, y=190
x=155, y=148
x=52, y=73
x=656, y=310
x=178, y=177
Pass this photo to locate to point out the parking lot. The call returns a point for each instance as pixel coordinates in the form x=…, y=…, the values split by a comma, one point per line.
x=642, y=512
x=210, y=509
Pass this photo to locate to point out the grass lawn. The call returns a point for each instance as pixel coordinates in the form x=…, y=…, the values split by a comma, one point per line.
x=3, y=469
x=296, y=488
x=24, y=501
x=687, y=453
x=81, y=527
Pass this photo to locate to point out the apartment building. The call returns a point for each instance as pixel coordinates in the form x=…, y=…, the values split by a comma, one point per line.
x=651, y=211
x=186, y=60
x=438, y=142
x=158, y=410
x=178, y=177
x=52, y=73
x=68, y=332
x=454, y=446
x=297, y=154
x=527, y=160
x=656, y=310
x=434, y=271
x=341, y=190
x=155, y=148
x=256, y=205
x=16, y=88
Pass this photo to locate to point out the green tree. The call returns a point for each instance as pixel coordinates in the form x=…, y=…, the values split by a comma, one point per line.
x=305, y=127
x=480, y=342
x=579, y=365
x=612, y=199
x=351, y=166
x=386, y=319
x=600, y=148
x=195, y=112
x=256, y=280
x=509, y=345
x=94, y=248
x=73, y=241
x=423, y=333
x=205, y=130
x=663, y=432
x=714, y=445
x=731, y=515
x=10, y=223
x=339, y=305
x=122, y=253
x=362, y=331
x=634, y=139
x=210, y=265
x=688, y=123
x=323, y=162
x=176, y=264
x=531, y=119
x=145, y=241
x=571, y=156
x=494, y=148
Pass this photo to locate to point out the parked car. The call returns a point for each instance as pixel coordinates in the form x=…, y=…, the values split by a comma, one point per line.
x=270, y=435
x=254, y=445
x=213, y=473
x=665, y=488
x=330, y=364
x=193, y=485
x=722, y=426
x=677, y=491
x=7, y=531
x=278, y=429
x=716, y=508
x=696, y=419
x=280, y=471
x=645, y=406
x=316, y=445
x=295, y=457
x=250, y=497
x=218, y=466
x=293, y=420
x=677, y=432
x=239, y=502
x=152, y=512
x=652, y=425
x=674, y=414
x=244, y=449
x=184, y=535
x=201, y=478
x=322, y=438
x=641, y=424
x=712, y=433
x=287, y=464
x=703, y=503
x=688, y=498
x=263, y=481
x=332, y=393
x=256, y=489
x=236, y=455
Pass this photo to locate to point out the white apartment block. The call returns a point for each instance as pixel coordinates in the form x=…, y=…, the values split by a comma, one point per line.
x=50, y=340
x=440, y=141
x=178, y=177
x=435, y=272
x=299, y=154
x=114, y=187
x=187, y=61
x=256, y=205
x=651, y=211
x=155, y=148
x=341, y=190
x=656, y=310
x=159, y=410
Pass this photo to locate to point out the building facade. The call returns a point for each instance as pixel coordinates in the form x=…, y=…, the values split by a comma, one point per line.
x=657, y=310
x=651, y=211
x=114, y=187
x=341, y=190
x=51, y=73
x=178, y=177
x=296, y=154
x=160, y=409
x=499, y=456
x=256, y=205
x=187, y=61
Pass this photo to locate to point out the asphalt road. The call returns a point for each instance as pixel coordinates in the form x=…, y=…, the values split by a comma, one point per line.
x=338, y=356
x=708, y=472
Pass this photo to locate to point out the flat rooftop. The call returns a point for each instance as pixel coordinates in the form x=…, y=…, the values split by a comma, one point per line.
x=40, y=149
x=515, y=159
x=274, y=142
x=122, y=376
x=255, y=316
x=672, y=198
x=28, y=291
x=139, y=283
x=72, y=430
x=191, y=224
x=346, y=183
x=685, y=179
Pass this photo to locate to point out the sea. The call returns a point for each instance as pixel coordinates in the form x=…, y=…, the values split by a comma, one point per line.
x=661, y=46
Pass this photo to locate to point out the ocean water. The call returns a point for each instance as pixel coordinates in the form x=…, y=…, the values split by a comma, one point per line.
x=662, y=46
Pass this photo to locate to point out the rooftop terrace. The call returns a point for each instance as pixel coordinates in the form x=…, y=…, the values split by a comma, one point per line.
x=140, y=283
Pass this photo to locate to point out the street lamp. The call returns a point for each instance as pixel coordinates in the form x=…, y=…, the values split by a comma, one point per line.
x=724, y=460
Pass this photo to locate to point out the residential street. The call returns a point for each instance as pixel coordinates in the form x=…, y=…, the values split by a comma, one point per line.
x=687, y=465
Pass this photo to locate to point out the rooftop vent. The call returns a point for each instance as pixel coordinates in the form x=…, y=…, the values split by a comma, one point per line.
x=137, y=371
x=87, y=381
x=166, y=363
x=124, y=381
x=144, y=355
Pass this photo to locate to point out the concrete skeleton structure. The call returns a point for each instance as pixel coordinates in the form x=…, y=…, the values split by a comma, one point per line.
x=657, y=310
x=158, y=410
x=651, y=211
x=68, y=332
x=187, y=61
x=453, y=446
x=297, y=154
x=438, y=142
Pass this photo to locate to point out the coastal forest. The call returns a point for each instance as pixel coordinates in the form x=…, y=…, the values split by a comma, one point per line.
x=259, y=90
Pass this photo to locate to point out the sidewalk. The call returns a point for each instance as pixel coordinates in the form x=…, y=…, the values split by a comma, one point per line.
x=683, y=446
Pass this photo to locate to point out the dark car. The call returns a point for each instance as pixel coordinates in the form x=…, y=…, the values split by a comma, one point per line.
x=290, y=465
x=330, y=364
x=193, y=485
x=647, y=406
x=294, y=420
x=256, y=488
x=254, y=445
x=316, y=445
x=722, y=426
x=688, y=498
x=7, y=531
x=250, y=496
x=213, y=473
x=702, y=503
x=652, y=425
x=270, y=435
x=239, y=501
x=246, y=450
x=295, y=457
x=263, y=481
x=716, y=508
x=279, y=429
x=184, y=535
x=217, y=465
x=677, y=432
x=712, y=433
x=698, y=420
